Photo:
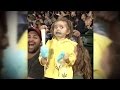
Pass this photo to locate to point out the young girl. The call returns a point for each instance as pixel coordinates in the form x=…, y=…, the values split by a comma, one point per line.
x=59, y=54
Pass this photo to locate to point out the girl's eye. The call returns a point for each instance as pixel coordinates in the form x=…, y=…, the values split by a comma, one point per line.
x=61, y=27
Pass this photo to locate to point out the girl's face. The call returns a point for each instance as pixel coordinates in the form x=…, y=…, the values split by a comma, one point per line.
x=61, y=29
x=73, y=13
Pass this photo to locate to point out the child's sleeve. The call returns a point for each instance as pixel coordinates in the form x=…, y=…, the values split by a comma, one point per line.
x=73, y=54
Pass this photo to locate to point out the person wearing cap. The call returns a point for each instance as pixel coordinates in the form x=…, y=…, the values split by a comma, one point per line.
x=35, y=70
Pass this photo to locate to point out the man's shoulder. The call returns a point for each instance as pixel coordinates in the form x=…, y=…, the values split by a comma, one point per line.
x=35, y=70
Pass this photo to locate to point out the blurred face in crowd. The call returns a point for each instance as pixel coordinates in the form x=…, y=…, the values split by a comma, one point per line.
x=83, y=17
x=73, y=13
x=61, y=29
x=33, y=42
x=88, y=21
x=67, y=12
x=46, y=17
x=40, y=16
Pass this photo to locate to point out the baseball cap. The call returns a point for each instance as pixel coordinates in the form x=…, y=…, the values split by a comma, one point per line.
x=36, y=30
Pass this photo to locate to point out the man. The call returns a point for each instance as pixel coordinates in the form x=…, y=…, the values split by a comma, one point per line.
x=106, y=45
x=35, y=70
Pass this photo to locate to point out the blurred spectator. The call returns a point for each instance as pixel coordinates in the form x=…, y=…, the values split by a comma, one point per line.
x=88, y=22
x=78, y=18
x=47, y=21
x=106, y=28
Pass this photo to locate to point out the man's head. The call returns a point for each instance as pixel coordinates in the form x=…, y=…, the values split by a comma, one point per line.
x=34, y=40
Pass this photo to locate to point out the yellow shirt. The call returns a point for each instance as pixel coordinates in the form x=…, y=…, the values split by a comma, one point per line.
x=55, y=48
x=100, y=44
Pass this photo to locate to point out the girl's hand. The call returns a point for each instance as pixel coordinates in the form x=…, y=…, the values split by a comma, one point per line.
x=63, y=58
x=66, y=58
x=44, y=61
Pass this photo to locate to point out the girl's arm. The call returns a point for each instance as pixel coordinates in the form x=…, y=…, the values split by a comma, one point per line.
x=70, y=60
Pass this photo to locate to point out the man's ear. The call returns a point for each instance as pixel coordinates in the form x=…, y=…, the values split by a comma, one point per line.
x=41, y=43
